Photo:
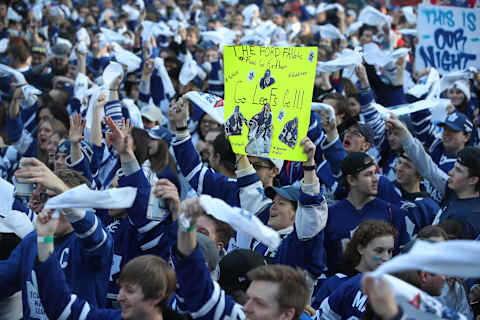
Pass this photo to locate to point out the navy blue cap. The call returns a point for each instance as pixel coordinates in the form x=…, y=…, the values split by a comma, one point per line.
x=207, y=45
x=291, y=193
x=356, y=162
x=64, y=147
x=161, y=133
x=469, y=157
x=457, y=121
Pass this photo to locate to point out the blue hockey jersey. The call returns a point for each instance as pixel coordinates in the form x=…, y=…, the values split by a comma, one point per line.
x=344, y=218
x=202, y=179
x=135, y=234
x=347, y=302
x=84, y=257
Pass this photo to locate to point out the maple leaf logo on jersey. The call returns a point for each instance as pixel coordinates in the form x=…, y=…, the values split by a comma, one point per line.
x=416, y=301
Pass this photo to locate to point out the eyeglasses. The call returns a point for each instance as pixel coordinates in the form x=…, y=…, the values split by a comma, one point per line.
x=209, y=123
x=355, y=133
x=258, y=166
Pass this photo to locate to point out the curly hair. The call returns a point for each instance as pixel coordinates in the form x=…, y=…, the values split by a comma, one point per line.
x=366, y=232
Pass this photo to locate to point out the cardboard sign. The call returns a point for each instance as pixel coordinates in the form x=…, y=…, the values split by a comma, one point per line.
x=268, y=95
x=449, y=38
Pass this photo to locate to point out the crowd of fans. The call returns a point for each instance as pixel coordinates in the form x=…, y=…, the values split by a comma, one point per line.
x=99, y=93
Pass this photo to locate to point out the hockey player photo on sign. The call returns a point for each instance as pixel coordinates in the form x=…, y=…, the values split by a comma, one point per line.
x=260, y=133
x=234, y=124
x=289, y=133
x=267, y=80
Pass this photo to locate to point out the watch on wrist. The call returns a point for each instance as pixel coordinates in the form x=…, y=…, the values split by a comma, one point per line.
x=308, y=168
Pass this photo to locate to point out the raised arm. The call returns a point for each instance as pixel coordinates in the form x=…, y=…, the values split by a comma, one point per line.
x=202, y=179
x=370, y=114
x=57, y=298
x=417, y=154
x=203, y=298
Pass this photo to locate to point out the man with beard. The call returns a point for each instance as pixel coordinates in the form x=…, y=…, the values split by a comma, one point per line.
x=55, y=65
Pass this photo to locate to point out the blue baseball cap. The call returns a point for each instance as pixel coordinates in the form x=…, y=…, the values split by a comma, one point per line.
x=160, y=133
x=457, y=121
x=291, y=193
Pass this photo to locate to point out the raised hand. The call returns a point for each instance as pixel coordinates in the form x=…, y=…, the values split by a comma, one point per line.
x=178, y=113
x=362, y=76
x=191, y=209
x=167, y=191
x=33, y=170
x=148, y=68
x=380, y=296
x=46, y=223
x=120, y=137
x=77, y=125
x=328, y=124
x=308, y=148
x=396, y=127
x=101, y=101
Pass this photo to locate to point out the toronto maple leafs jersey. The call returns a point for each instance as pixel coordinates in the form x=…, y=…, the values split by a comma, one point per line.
x=344, y=218
x=464, y=210
x=328, y=286
x=60, y=302
x=84, y=257
x=202, y=179
x=347, y=302
x=136, y=235
x=420, y=208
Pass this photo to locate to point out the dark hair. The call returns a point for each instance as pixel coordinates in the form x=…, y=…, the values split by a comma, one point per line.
x=367, y=27
x=158, y=161
x=455, y=229
x=366, y=232
x=18, y=49
x=221, y=145
x=341, y=104
x=59, y=112
x=153, y=275
x=432, y=231
x=293, y=287
x=475, y=172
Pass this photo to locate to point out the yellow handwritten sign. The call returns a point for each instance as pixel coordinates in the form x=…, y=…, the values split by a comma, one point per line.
x=268, y=95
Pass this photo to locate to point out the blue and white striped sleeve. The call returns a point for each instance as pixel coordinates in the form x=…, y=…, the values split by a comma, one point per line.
x=203, y=298
x=371, y=116
x=202, y=179
x=423, y=128
x=58, y=300
x=93, y=238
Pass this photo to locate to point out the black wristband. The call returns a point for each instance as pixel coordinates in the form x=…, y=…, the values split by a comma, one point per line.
x=182, y=128
x=309, y=168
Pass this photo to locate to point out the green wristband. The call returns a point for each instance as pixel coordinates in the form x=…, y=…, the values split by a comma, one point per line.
x=189, y=229
x=44, y=239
